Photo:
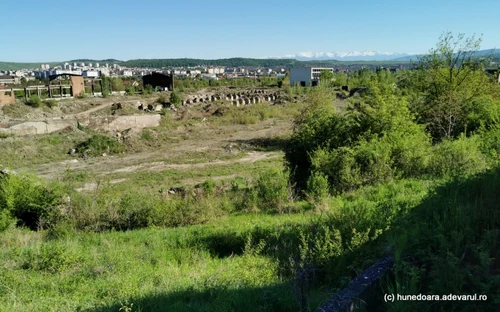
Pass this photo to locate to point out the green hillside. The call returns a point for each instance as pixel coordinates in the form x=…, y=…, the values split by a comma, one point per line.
x=18, y=66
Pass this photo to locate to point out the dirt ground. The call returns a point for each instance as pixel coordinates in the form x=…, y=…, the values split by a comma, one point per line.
x=204, y=141
x=196, y=147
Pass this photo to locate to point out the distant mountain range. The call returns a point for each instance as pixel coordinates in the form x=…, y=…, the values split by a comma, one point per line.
x=367, y=55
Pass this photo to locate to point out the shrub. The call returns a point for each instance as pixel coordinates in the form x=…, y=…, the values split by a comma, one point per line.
x=34, y=101
x=375, y=141
x=271, y=191
x=6, y=219
x=130, y=90
x=460, y=157
x=208, y=187
x=50, y=103
x=490, y=145
x=175, y=99
x=318, y=187
x=98, y=144
x=30, y=202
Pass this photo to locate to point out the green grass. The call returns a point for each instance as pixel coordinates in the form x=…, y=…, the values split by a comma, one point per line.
x=90, y=270
x=244, y=261
x=252, y=114
x=28, y=151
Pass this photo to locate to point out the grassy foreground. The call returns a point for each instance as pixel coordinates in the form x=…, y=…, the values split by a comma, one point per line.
x=254, y=261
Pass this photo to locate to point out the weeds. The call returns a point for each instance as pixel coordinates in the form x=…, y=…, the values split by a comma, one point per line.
x=98, y=144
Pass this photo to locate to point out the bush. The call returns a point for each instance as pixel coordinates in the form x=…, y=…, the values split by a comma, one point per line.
x=98, y=144
x=50, y=103
x=456, y=158
x=140, y=209
x=130, y=90
x=318, y=187
x=34, y=101
x=377, y=140
x=6, y=219
x=490, y=145
x=271, y=192
x=175, y=99
x=30, y=202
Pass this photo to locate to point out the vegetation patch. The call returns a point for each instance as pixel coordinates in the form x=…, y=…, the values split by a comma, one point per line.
x=98, y=144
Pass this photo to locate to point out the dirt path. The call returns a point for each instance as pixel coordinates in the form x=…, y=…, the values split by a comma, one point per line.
x=205, y=145
x=98, y=108
x=251, y=157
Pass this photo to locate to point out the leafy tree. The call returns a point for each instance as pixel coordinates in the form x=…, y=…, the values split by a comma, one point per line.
x=117, y=84
x=175, y=99
x=326, y=78
x=339, y=79
x=105, y=85
x=447, y=82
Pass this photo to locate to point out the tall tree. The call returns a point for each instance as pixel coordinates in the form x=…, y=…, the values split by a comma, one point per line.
x=447, y=81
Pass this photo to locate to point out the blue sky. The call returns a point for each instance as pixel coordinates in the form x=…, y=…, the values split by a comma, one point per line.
x=54, y=30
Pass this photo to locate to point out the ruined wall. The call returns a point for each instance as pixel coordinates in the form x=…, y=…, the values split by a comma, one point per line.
x=39, y=127
x=7, y=99
x=77, y=85
x=120, y=123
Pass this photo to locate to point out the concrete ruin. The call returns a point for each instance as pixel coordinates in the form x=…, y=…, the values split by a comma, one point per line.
x=111, y=123
x=15, y=127
x=7, y=97
x=77, y=85
x=245, y=97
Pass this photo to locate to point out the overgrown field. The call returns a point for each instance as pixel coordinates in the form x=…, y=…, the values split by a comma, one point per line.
x=267, y=207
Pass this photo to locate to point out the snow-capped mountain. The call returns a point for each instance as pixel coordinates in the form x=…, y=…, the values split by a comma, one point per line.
x=367, y=55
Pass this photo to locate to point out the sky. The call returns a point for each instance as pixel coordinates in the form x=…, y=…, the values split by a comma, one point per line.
x=54, y=30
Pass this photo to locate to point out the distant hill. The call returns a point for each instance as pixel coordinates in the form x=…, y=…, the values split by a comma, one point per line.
x=250, y=62
x=18, y=66
x=230, y=62
x=109, y=61
x=238, y=61
x=313, y=60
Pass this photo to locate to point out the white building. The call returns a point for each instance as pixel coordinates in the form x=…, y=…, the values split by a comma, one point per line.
x=306, y=76
x=48, y=73
x=127, y=73
x=91, y=73
x=209, y=76
x=216, y=70
x=104, y=71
